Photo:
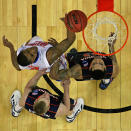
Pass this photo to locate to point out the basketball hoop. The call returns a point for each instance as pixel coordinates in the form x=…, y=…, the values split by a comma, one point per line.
x=100, y=24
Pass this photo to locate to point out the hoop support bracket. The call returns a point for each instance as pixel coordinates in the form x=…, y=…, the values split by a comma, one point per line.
x=105, y=5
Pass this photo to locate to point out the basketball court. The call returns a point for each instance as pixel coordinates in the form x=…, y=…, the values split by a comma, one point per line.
x=16, y=25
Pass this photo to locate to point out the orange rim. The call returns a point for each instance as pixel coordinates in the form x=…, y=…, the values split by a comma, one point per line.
x=83, y=34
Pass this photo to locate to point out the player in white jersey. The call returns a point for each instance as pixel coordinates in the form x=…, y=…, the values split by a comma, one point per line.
x=37, y=54
x=41, y=60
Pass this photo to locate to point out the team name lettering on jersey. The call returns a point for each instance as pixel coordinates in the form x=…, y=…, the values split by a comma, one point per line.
x=89, y=56
x=37, y=43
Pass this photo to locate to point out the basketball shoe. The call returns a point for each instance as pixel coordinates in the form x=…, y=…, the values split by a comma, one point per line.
x=76, y=110
x=105, y=83
x=16, y=109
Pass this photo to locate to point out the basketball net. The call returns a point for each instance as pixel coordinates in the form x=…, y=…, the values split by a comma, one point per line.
x=101, y=23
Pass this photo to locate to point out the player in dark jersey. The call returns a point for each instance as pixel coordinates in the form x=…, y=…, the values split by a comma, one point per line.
x=89, y=66
x=41, y=102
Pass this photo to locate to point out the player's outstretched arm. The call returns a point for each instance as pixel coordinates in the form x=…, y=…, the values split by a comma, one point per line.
x=111, y=42
x=66, y=97
x=12, y=52
x=64, y=107
x=60, y=48
x=31, y=84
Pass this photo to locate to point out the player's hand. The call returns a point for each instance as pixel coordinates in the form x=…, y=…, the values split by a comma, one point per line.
x=52, y=41
x=112, y=39
x=65, y=83
x=6, y=42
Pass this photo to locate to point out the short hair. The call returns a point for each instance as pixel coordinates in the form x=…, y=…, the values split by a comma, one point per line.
x=97, y=74
x=40, y=107
x=22, y=59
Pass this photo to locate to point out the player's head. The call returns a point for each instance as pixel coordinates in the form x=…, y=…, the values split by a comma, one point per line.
x=97, y=68
x=27, y=56
x=41, y=106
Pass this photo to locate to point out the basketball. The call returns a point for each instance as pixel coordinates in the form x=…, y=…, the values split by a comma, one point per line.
x=75, y=20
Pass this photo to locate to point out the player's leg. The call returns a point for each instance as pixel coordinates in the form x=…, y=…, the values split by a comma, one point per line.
x=15, y=98
x=105, y=83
